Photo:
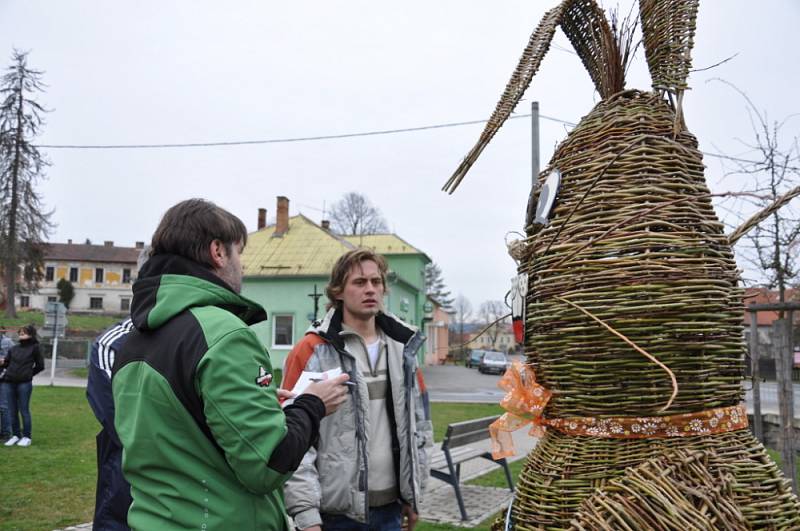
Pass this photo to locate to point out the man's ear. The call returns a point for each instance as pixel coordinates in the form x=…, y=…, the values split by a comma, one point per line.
x=217, y=253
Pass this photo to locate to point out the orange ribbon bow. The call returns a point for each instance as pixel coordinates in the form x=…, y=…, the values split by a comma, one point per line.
x=524, y=403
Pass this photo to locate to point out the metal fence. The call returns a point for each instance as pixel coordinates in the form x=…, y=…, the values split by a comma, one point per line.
x=775, y=399
x=71, y=359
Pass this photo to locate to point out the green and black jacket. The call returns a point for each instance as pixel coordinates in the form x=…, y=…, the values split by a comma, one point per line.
x=206, y=444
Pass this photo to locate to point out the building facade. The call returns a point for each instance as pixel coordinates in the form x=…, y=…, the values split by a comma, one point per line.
x=504, y=340
x=287, y=266
x=101, y=276
x=437, y=330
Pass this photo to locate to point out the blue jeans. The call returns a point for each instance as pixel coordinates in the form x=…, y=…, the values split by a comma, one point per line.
x=5, y=416
x=18, y=396
x=384, y=518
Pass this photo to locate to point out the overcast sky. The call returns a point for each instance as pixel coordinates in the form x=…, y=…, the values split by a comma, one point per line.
x=150, y=72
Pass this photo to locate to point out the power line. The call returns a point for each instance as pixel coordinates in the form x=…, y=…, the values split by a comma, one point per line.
x=334, y=137
x=287, y=140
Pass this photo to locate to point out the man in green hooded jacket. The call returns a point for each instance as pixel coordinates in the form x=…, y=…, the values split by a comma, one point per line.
x=206, y=444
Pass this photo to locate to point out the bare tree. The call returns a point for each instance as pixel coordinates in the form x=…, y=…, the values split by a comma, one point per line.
x=24, y=224
x=462, y=313
x=436, y=288
x=493, y=315
x=355, y=215
x=773, y=172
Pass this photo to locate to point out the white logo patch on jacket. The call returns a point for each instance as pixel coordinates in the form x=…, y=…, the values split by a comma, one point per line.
x=264, y=378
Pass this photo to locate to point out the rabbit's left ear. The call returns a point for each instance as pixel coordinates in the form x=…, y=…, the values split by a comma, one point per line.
x=668, y=32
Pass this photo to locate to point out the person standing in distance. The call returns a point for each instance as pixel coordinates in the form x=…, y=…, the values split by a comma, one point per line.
x=368, y=469
x=206, y=444
x=23, y=362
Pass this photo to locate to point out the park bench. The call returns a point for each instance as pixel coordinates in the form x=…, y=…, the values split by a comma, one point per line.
x=446, y=464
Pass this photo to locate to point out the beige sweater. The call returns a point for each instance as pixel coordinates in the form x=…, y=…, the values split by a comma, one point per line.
x=382, y=480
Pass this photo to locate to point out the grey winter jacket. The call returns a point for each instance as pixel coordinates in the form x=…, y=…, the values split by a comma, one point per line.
x=332, y=478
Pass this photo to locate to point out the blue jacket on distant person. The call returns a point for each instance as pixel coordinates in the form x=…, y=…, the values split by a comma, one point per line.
x=113, y=497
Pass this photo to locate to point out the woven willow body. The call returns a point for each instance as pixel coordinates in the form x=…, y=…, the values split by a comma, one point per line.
x=664, y=276
x=633, y=246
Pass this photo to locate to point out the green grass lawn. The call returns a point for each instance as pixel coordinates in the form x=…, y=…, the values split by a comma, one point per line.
x=444, y=413
x=74, y=321
x=51, y=484
x=79, y=372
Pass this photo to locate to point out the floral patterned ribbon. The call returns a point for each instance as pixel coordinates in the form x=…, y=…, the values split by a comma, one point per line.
x=525, y=401
x=707, y=422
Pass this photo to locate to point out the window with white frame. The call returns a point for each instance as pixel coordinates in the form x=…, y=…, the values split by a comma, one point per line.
x=73, y=274
x=24, y=301
x=282, y=331
x=49, y=273
x=98, y=274
x=126, y=276
x=96, y=303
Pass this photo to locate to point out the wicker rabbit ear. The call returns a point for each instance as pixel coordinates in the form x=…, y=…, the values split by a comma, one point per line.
x=529, y=63
x=668, y=32
x=586, y=26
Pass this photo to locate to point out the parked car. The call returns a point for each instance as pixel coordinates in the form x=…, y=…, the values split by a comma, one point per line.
x=474, y=358
x=493, y=362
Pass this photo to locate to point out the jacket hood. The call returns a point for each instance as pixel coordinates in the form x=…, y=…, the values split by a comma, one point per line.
x=170, y=284
x=330, y=327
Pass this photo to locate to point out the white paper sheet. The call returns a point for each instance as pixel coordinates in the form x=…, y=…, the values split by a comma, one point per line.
x=306, y=377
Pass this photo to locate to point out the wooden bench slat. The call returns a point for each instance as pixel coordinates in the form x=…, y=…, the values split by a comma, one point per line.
x=467, y=426
x=458, y=455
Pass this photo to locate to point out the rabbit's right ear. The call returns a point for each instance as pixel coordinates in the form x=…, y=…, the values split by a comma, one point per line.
x=587, y=28
x=668, y=32
x=528, y=64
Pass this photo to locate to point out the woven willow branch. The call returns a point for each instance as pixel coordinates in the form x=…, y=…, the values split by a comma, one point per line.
x=636, y=347
x=757, y=218
x=532, y=56
x=668, y=28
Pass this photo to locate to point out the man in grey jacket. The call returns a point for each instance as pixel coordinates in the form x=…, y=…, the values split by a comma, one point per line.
x=369, y=466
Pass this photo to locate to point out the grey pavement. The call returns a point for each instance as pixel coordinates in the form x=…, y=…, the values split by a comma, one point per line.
x=62, y=377
x=456, y=383
x=439, y=504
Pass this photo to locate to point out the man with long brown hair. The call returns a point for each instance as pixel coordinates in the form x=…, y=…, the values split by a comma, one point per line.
x=371, y=462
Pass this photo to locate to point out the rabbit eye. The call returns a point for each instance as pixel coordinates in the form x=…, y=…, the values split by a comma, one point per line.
x=545, y=200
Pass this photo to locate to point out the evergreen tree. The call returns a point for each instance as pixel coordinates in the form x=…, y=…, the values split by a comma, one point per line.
x=65, y=291
x=436, y=288
x=24, y=224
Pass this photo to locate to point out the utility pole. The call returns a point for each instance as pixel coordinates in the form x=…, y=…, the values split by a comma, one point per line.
x=535, y=142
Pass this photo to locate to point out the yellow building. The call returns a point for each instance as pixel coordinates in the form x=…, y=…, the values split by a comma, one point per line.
x=101, y=275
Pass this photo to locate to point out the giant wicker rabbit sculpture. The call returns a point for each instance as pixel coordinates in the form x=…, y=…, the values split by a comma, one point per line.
x=633, y=311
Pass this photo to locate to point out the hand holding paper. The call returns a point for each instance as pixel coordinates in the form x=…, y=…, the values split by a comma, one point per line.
x=328, y=386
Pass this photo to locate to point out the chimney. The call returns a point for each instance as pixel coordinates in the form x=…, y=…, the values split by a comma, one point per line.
x=69, y=242
x=282, y=223
x=108, y=243
x=326, y=225
x=140, y=245
x=262, y=218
